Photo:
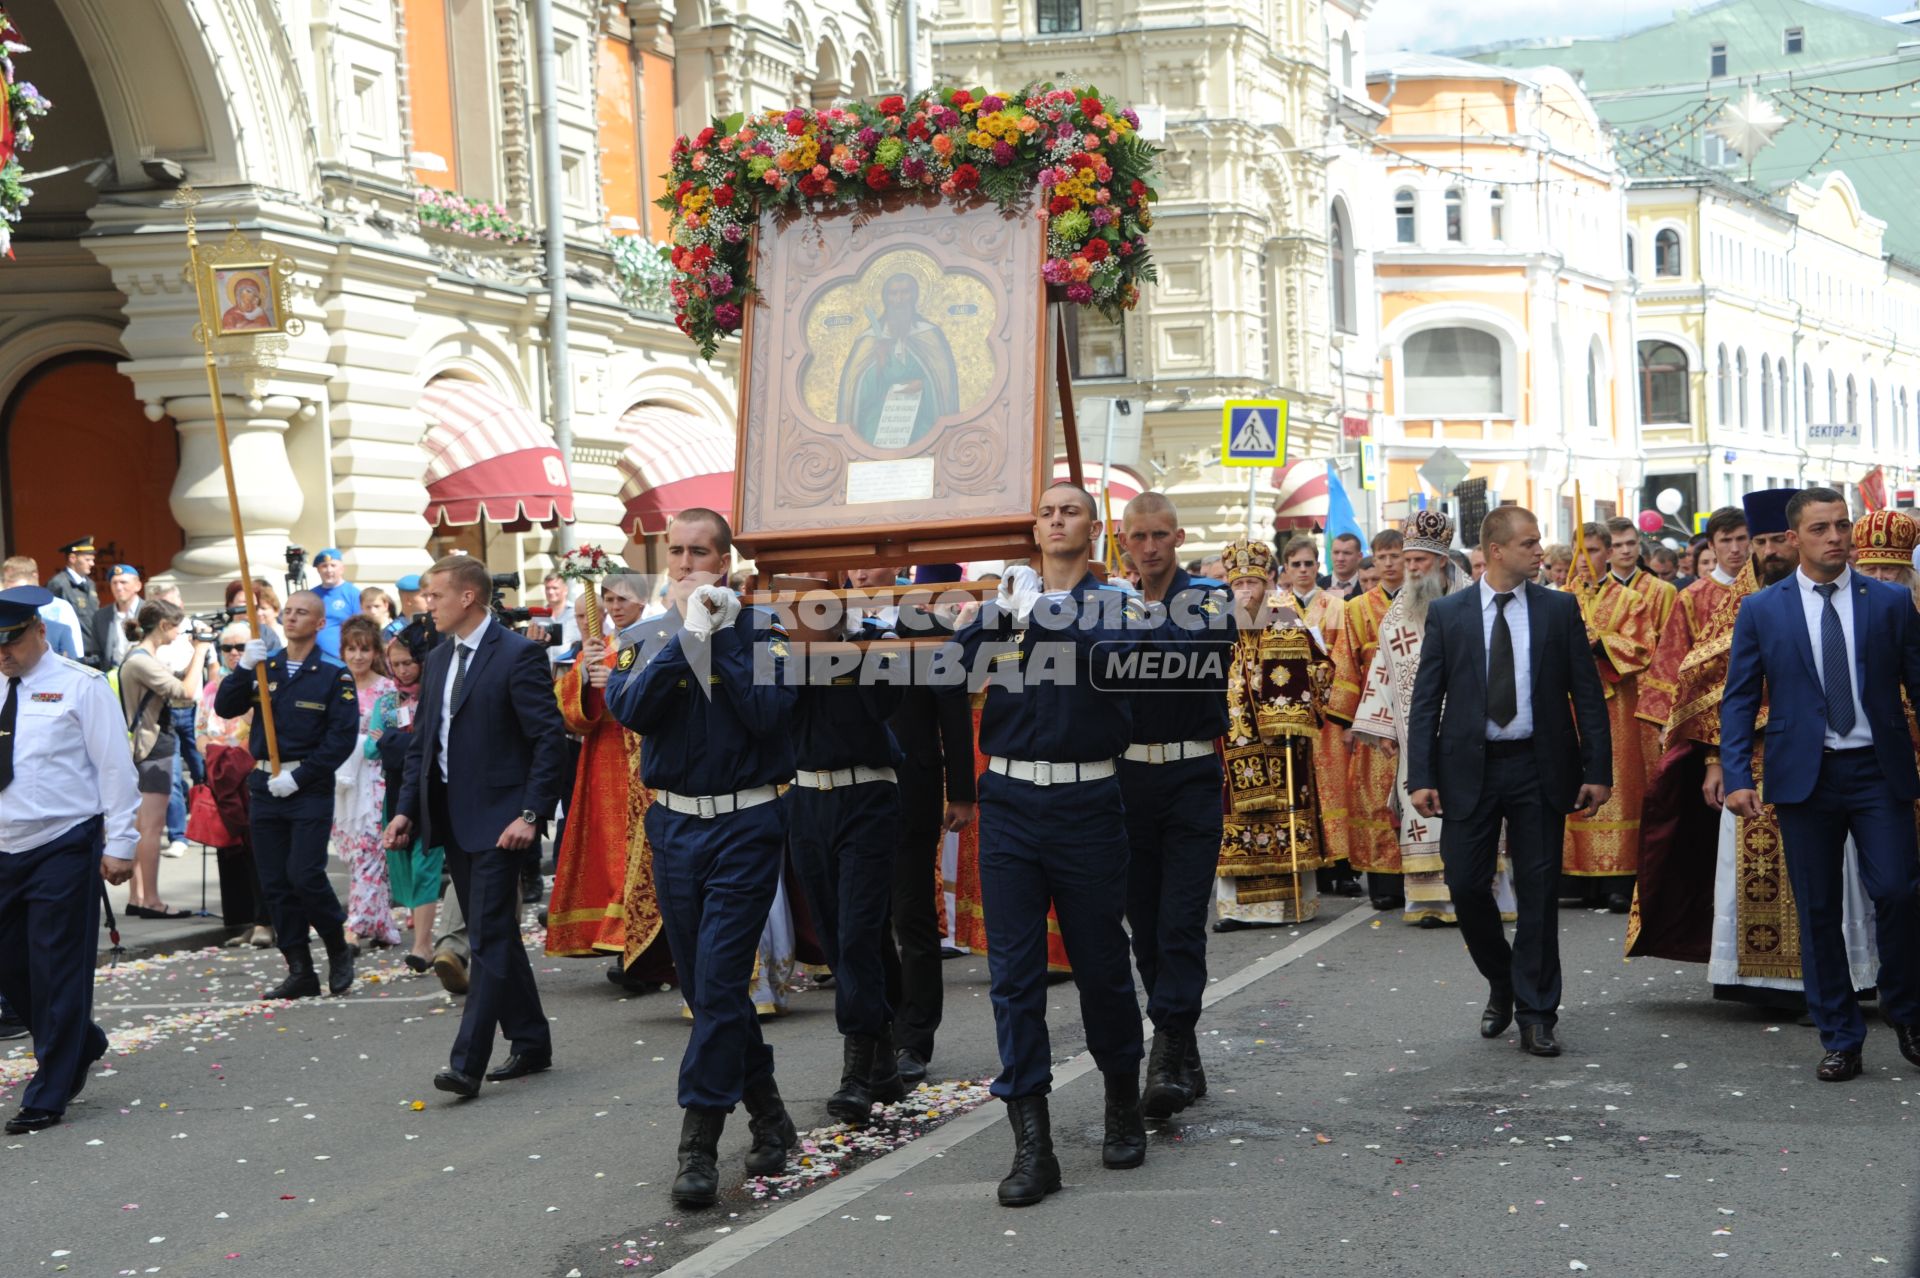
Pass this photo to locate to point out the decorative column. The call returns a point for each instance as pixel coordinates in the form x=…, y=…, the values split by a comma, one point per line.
x=270, y=497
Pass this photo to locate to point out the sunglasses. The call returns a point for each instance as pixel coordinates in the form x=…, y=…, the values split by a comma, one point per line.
x=233, y=647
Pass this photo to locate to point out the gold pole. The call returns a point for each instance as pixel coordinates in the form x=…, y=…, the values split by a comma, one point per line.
x=226, y=465
x=1293, y=829
x=589, y=613
x=1580, y=535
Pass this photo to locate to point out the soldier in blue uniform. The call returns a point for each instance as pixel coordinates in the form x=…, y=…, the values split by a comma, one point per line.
x=316, y=718
x=1052, y=829
x=67, y=802
x=704, y=690
x=845, y=827
x=1171, y=778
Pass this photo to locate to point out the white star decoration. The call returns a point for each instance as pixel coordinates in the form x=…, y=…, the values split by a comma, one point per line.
x=1748, y=125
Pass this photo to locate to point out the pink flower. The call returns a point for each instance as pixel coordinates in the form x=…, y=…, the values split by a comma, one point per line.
x=1055, y=271
x=1082, y=293
x=1002, y=153
x=727, y=315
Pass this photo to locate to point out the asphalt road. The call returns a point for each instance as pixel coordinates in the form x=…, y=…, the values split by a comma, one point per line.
x=1356, y=1125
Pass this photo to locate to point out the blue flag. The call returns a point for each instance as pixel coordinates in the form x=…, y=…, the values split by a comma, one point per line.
x=1340, y=516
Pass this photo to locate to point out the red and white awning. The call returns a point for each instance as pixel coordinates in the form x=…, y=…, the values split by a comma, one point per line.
x=674, y=461
x=1123, y=485
x=1303, y=495
x=488, y=458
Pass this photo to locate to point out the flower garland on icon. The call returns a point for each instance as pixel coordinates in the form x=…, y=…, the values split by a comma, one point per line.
x=1083, y=155
x=20, y=103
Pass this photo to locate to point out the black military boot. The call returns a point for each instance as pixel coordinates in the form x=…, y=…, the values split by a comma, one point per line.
x=698, y=1184
x=300, y=982
x=339, y=961
x=1196, y=1076
x=885, y=1082
x=853, y=1103
x=774, y=1136
x=1126, y=1140
x=1036, y=1172
x=1167, y=1092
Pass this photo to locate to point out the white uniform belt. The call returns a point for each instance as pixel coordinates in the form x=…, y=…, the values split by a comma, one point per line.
x=1168, y=751
x=836, y=778
x=1040, y=772
x=709, y=806
x=266, y=765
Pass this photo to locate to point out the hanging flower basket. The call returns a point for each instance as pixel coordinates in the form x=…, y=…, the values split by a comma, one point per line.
x=20, y=103
x=1081, y=156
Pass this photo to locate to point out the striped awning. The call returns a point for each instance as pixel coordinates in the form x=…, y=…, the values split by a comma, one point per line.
x=488, y=458
x=673, y=461
x=1123, y=485
x=1302, y=501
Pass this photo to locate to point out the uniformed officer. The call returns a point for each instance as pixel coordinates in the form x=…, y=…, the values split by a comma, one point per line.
x=1171, y=777
x=1052, y=829
x=316, y=717
x=845, y=825
x=705, y=692
x=74, y=583
x=67, y=802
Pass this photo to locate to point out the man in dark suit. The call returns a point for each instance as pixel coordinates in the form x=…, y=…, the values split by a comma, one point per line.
x=1509, y=726
x=74, y=583
x=1829, y=650
x=482, y=775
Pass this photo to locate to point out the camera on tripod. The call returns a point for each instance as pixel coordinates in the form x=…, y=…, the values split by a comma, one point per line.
x=503, y=582
x=296, y=569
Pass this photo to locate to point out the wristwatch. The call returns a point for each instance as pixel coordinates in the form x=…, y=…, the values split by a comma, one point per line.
x=530, y=817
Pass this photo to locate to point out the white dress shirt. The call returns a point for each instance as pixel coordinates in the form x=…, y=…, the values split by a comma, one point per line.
x=1815, y=608
x=1520, y=727
x=472, y=644
x=58, y=609
x=1720, y=575
x=71, y=760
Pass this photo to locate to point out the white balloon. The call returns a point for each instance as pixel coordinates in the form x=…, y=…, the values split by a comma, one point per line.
x=1669, y=501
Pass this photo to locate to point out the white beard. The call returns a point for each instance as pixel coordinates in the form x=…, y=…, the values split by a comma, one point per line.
x=1421, y=591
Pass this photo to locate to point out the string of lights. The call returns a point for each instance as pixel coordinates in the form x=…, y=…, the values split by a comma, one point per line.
x=1799, y=111
x=1905, y=121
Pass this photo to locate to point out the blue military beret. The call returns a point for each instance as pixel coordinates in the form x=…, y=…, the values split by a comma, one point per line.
x=123, y=570
x=409, y=582
x=321, y=556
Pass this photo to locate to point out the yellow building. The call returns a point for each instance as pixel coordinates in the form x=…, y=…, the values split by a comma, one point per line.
x=1506, y=321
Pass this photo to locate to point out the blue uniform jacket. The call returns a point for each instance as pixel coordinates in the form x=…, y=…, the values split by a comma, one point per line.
x=1042, y=701
x=316, y=716
x=843, y=724
x=734, y=733
x=1191, y=705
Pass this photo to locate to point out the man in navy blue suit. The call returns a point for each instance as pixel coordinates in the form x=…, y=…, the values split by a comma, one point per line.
x=483, y=773
x=1829, y=650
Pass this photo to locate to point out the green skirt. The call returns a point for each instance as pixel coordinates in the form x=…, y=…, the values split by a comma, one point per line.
x=413, y=876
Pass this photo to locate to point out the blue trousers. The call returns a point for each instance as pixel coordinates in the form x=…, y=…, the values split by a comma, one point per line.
x=716, y=882
x=49, y=939
x=1173, y=837
x=843, y=844
x=1852, y=798
x=290, y=851
x=1065, y=846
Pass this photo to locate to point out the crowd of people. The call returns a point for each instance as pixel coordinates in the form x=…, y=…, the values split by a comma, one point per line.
x=1467, y=735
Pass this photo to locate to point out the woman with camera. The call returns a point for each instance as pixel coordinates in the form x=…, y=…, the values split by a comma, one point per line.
x=147, y=687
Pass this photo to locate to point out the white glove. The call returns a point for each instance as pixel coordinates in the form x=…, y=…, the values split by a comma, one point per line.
x=282, y=784
x=702, y=620
x=253, y=654
x=1020, y=589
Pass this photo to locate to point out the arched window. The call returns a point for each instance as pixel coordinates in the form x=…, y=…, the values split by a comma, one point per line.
x=1340, y=265
x=1806, y=393
x=1630, y=267
x=1786, y=399
x=1497, y=213
x=1453, y=372
x=1454, y=225
x=1723, y=388
x=1766, y=394
x=1740, y=383
x=1666, y=252
x=1595, y=374
x=1346, y=60
x=1663, y=383
x=1873, y=413
x=1404, y=208
x=1833, y=398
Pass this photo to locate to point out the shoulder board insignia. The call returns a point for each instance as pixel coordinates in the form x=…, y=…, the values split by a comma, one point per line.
x=75, y=665
x=1210, y=605
x=346, y=694
x=779, y=648
x=1134, y=608
x=627, y=658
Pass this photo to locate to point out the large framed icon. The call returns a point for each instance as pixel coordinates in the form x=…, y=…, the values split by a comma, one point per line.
x=893, y=386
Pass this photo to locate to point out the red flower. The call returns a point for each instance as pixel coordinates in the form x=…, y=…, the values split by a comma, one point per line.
x=1081, y=161
x=961, y=97
x=702, y=254
x=1059, y=204
x=704, y=139
x=810, y=184
x=893, y=105
x=723, y=196
x=966, y=178
x=877, y=178
x=1126, y=249
x=918, y=131
x=680, y=192
x=1091, y=106
x=1097, y=250
x=795, y=127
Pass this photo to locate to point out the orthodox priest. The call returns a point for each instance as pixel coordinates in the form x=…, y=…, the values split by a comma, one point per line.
x=1372, y=843
x=1323, y=610
x=1385, y=703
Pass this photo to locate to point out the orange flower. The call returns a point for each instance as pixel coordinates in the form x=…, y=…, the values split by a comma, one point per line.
x=1078, y=268
x=942, y=145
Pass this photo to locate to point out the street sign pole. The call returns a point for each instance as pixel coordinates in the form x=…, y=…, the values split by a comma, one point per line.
x=1253, y=433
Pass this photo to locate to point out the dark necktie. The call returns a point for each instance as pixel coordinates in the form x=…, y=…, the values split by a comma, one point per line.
x=8, y=714
x=1503, y=699
x=1833, y=663
x=459, y=676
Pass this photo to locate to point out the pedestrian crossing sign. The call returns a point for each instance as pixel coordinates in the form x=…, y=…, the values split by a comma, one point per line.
x=1253, y=432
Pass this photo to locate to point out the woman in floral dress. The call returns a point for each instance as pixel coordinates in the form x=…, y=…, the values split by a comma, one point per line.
x=359, y=791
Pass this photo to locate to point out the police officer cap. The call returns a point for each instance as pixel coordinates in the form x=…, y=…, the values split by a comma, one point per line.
x=19, y=607
x=78, y=546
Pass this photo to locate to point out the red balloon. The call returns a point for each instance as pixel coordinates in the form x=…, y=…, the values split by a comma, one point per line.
x=1651, y=521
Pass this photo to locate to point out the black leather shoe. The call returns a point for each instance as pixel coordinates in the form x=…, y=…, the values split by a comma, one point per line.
x=885, y=1083
x=1909, y=1036
x=32, y=1120
x=912, y=1066
x=339, y=968
x=774, y=1135
x=853, y=1103
x=12, y=1027
x=1036, y=1172
x=1619, y=903
x=519, y=1066
x=1838, y=1067
x=1497, y=1015
x=1167, y=1092
x=452, y=1080
x=95, y=1049
x=1125, y=1143
x=698, y=1184
x=1196, y=1076
x=1388, y=903
x=1538, y=1040
x=301, y=980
